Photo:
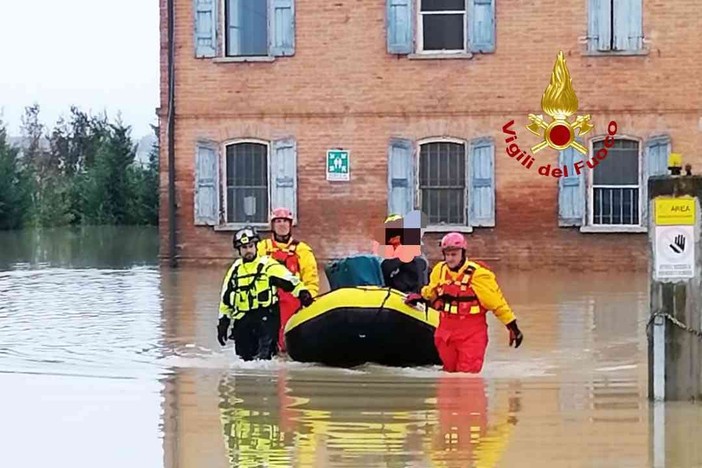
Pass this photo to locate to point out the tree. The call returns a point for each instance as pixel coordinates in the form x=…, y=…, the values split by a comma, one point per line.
x=14, y=186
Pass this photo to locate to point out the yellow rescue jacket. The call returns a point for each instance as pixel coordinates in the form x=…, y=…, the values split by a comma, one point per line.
x=253, y=285
x=483, y=282
x=305, y=259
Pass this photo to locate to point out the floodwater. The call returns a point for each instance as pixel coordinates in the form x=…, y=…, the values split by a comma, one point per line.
x=108, y=360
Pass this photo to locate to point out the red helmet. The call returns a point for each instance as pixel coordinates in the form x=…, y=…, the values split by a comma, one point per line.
x=281, y=213
x=453, y=240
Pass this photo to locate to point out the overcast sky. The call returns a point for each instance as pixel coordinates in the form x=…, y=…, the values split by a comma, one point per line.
x=96, y=54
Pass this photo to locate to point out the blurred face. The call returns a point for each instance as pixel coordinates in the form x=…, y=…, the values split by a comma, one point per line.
x=281, y=227
x=248, y=252
x=406, y=253
x=452, y=257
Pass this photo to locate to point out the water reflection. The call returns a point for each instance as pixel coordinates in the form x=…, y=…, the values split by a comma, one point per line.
x=79, y=247
x=98, y=344
x=290, y=419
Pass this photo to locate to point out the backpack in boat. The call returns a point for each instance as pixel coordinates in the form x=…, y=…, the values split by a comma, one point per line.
x=357, y=270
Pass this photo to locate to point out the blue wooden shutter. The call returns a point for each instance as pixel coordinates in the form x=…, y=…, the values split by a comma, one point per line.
x=282, y=27
x=283, y=177
x=481, y=189
x=206, y=203
x=655, y=164
x=400, y=26
x=205, y=16
x=571, y=189
x=599, y=25
x=657, y=151
x=400, y=176
x=481, y=25
x=628, y=32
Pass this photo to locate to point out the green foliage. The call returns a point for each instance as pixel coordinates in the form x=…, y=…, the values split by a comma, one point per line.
x=81, y=172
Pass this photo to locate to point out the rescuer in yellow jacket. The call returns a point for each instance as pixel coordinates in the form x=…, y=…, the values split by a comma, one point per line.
x=250, y=299
x=297, y=257
x=463, y=291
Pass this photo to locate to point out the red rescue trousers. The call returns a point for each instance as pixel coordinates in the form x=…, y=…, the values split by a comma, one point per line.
x=462, y=406
x=461, y=341
x=289, y=304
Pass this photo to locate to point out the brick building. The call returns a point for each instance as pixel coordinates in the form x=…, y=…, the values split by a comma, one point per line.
x=419, y=91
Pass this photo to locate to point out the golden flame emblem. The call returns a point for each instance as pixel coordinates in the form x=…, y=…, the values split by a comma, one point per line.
x=560, y=102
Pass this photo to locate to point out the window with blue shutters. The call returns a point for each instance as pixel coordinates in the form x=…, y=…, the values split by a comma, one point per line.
x=615, y=26
x=244, y=182
x=251, y=28
x=440, y=26
x=451, y=181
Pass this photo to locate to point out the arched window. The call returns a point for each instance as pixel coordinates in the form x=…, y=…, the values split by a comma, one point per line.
x=442, y=181
x=246, y=182
x=616, y=189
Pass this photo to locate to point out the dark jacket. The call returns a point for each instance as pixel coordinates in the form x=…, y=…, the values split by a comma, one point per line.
x=405, y=277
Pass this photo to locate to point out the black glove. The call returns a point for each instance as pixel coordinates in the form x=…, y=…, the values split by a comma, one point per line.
x=222, y=328
x=515, y=335
x=305, y=298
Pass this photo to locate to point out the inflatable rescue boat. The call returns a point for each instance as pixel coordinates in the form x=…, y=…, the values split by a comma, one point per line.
x=350, y=326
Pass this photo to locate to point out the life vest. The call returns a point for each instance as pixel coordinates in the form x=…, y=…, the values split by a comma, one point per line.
x=456, y=297
x=249, y=291
x=286, y=256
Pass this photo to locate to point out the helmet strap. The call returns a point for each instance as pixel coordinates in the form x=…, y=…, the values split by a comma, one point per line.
x=282, y=239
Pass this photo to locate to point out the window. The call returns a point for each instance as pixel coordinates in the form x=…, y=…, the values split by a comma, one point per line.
x=615, y=187
x=451, y=181
x=610, y=196
x=247, y=183
x=445, y=28
x=442, y=182
x=244, y=29
x=442, y=25
x=615, y=26
x=238, y=182
x=246, y=23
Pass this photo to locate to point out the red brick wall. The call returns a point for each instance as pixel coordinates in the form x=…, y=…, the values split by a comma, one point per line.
x=342, y=89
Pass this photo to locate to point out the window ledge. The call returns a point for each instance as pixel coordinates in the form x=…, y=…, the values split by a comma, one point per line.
x=447, y=228
x=243, y=59
x=237, y=226
x=616, y=53
x=603, y=229
x=440, y=55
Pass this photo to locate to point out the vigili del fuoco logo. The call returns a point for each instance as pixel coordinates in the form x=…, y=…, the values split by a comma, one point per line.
x=559, y=102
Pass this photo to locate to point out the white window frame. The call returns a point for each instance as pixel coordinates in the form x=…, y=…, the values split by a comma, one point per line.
x=223, y=180
x=590, y=214
x=418, y=192
x=420, y=30
x=223, y=57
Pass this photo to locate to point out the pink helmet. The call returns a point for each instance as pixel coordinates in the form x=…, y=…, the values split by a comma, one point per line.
x=453, y=240
x=281, y=213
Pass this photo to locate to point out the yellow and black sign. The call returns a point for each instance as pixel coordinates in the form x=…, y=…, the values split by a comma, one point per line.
x=675, y=211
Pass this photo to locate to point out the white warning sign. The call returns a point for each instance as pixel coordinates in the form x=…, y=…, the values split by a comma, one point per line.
x=674, y=255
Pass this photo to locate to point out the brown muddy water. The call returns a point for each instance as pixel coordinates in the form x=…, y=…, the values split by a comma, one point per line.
x=108, y=360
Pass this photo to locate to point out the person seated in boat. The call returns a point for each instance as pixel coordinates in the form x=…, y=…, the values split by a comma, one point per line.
x=463, y=291
x=404, y=268
x=250, y=300
x=297, y=257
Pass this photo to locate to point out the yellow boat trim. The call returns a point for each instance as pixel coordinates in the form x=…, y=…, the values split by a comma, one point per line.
x=363, y=297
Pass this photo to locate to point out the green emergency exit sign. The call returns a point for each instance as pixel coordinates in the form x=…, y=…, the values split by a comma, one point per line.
x=338, y=165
